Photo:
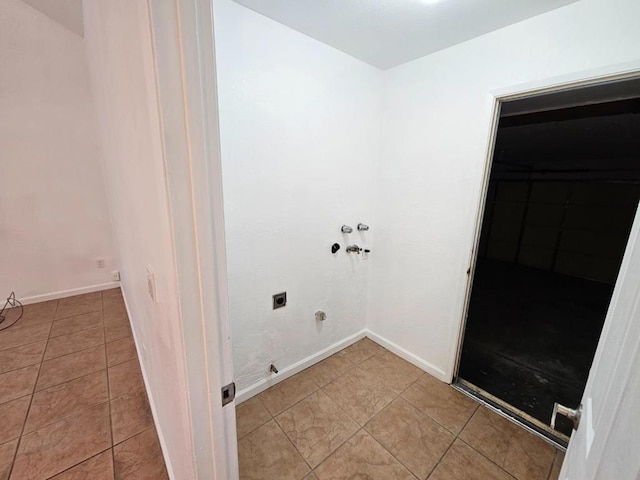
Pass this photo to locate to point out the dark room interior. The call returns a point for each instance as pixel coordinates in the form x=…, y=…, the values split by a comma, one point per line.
x=561, y=199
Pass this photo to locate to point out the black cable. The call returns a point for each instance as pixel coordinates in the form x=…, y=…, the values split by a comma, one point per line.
x=9, y=306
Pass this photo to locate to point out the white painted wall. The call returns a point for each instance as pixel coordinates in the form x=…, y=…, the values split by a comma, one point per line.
x=120, y=50
x=54, y=220
x=300, y=138
x=437, y=117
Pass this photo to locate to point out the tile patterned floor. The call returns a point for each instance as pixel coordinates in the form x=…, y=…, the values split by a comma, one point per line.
x=72, y=400
x=365, y=413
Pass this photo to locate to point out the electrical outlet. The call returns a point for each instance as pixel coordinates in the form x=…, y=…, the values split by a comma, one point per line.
x=115, y=276
x=279, y=300
x=100, y=262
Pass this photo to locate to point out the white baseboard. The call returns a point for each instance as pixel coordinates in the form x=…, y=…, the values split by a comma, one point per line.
x=67, y=293
x=408, y=356
x=284, y=373
x=152, y=404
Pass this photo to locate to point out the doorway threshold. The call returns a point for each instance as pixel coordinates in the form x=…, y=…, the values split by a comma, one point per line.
x=517, y=416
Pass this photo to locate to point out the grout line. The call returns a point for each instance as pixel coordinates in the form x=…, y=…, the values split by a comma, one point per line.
x=134, y=435
x=488, y=459
x=76, y=314
x=456, y=436
x=79, y=330
x=70, y=379
x=553, y=462
x=359, y=427
x=293, y=445
x=69, y=468
x=66, y=416
x=25, y=344
x=389, y=452
x=76, y=351
x=33, y=391
x=238, y=438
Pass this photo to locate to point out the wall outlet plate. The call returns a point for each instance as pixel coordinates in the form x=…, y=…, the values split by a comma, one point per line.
x=279, y=300
x=115, y=276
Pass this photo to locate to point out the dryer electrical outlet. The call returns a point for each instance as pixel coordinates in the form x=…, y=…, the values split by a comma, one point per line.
x=279, y=300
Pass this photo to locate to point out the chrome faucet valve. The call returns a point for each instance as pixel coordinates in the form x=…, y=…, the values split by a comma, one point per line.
x=353, y=249
x=346, y=229
x=362, y=227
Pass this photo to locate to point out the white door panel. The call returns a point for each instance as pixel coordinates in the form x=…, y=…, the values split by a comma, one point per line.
x=612, y=394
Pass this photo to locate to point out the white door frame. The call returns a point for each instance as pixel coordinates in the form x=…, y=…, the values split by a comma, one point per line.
x=183, y=41
x=551, y=85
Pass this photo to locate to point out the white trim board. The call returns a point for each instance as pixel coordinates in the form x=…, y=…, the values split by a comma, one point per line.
x=67, y=293
x=154, y=414
x=421, y=363
x=258, y=387
x=262, y=385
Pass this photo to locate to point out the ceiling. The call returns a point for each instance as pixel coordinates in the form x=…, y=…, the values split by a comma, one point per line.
x=386, y=33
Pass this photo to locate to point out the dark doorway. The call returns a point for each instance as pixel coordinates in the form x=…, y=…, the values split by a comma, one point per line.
x=563, y=190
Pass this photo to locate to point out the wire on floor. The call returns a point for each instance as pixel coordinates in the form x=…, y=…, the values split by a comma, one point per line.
x=9, y=308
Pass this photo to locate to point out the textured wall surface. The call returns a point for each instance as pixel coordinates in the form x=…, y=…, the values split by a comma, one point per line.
x=436, y=122
x=126, y=95
x=300, y=135
x=54, y=221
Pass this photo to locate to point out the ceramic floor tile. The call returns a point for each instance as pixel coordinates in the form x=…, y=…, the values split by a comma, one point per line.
x=311, y=476
x=69, y=367
x=462, y=462
x=18, y=383
x=392, y=371
x=125, y=378
x=557, y=466
x=283, y=395
x=69, y=398
x=19, y=334
x=7, y=451
x=411, y=436
x=12, y=415
x=359, y=394
x=154, y=469
x=330, y=368
x=130, y=455
x=362, y=350
x=77, y=323
x=79, y=304
x=23, y=356
x=121, y=350
x=112, y=298
x=251, y=415
x=4, y=472
x=441, y=402
x=115, y=315
x=99, y=467
x=74, y=342
x=117, y=331
x=529, y=457
x=520, y=453
x=42, y=312
x=316, y=426
x=267, y=454
x=61, y=445
x=130, y=415
x=362, y=457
